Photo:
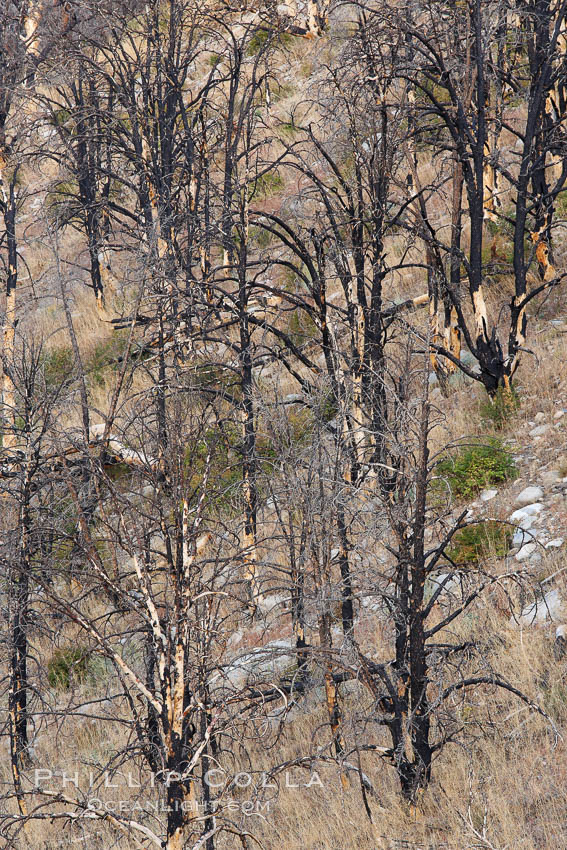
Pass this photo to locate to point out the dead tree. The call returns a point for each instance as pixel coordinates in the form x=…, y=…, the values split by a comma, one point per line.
x=460, y=68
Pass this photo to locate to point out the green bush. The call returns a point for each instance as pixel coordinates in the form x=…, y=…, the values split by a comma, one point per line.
x=257, y=41
x=301, y=328
x=475, y=467
x=265, y=185
x=65, y=665
x=106, y=354
x=501, y=408
x=61, y=203
x=475, y=542
x=58, y=365
x=289, y=129
x=260, y=236
x=561, y=205
x=59, y=117
x=260, y=37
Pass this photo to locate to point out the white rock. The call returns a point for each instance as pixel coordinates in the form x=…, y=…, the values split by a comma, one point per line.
x=526, y=552
x=520, y=517
x=487, y=495
x=558, y=414
x=266, y=663
x=556, y=543
x=451, y=586
x=520, y=538
x=373, y=603
x=539, y=417
x=539, y=431
x=529, y=495
x=235, y=638
x=526, y=522
x=549, y=607
x=533, y=510
x=550, y=477
x=274, y=603
x=96, y=432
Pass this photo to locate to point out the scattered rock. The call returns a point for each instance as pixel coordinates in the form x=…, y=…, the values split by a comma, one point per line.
x=266, y=663
x=276, y=603
x=539, y=431
x=527, y=552
x=487, y=495
x=539, y=417
x=521, y=537
x=521, y=518
x=235, y=638
x=548, y=607
x=558, y=414
x=550, y=477
x=556, y=543
x=560, y=646
x=451, y=587
x=529, y=495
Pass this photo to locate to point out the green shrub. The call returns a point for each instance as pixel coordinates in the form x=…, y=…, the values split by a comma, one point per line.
x=61, y=203
x=257, y=41
x=67, y=664
x=475, y=542
x=561, y=204
x=501, y=408
x=58, y=365
x=301, y=328
x=282, y=91
x=106, y=354
x=555, y=701
x=289, y=129
x=260, y=236
x=224, y=472
x=265, y=185
x=475, y=467
x=260, y=37
x=59, y=117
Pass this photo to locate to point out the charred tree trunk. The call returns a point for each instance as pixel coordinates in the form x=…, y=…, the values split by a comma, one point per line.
x=8, y=206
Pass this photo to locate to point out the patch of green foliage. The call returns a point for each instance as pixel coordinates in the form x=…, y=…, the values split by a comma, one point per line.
x=66, y=665
x=282, y=91
x=561, y=204
x=288, y=129
x=260, y=38
x=555, y=701
x=59, y=117
x=476, y=466
x=61, y=205
x=265, y=185
x=498, y=254
x=211, y=375
x=499, y=410
x=328, y=408
x=257, y=42
x=106, y=355
x=475, y=542
x=260, y=236
x=58, y=365
x=217, y=456
x=301, y=327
